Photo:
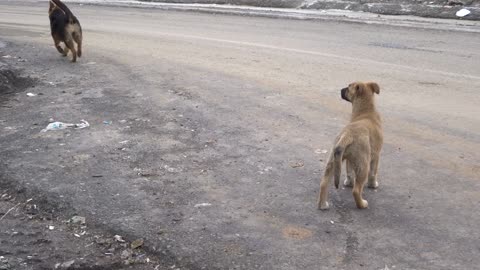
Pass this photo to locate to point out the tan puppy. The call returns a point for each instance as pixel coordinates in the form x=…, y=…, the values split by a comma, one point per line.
x=359, y=143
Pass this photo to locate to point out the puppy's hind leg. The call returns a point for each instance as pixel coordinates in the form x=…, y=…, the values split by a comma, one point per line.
x=372, y=175
x=323, y=194
x=350, y=179
x=361, y=171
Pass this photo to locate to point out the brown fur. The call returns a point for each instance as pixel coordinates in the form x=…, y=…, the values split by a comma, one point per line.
x=359, y=143
x=65, y=28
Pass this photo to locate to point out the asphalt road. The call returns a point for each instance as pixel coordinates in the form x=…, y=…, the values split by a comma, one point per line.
x=236, y=112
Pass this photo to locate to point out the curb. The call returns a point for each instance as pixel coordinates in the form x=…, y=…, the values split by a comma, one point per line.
x=302, y=14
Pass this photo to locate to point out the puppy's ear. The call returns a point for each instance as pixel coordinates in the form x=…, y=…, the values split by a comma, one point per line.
x=359, y=89
x=374, y=86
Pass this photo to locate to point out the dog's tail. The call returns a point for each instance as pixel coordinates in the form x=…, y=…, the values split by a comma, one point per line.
x=65, y=9
x=338, y=151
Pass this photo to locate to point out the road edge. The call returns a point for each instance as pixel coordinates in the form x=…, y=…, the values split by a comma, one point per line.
x=302, y=14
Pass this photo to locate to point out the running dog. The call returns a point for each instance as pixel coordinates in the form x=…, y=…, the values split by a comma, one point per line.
x=65, y=28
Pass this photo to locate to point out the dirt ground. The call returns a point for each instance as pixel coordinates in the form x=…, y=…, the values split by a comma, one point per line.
x=35, y=237
x=38, y=231
x=208, y=135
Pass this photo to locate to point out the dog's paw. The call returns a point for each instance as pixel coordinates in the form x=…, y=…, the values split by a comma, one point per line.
x=348, y=182
x=373, y=184
x=363, y=204
x=323, y=206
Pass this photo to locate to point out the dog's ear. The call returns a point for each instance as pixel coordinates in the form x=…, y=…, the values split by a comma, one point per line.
x=51, y=6
x=374, y=86
x=359, y=89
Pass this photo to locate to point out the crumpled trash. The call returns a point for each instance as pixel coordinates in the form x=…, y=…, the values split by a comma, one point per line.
x=462, y=12
x=31, y=94
x=60, y=125
x=118, y=238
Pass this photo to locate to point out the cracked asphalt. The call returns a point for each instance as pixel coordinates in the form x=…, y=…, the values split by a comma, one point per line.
x=208, y=133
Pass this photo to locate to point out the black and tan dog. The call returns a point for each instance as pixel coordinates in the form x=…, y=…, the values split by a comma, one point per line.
x=359, y=143
x=65, y=28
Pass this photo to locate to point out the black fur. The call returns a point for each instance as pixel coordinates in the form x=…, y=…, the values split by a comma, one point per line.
x=58, y=22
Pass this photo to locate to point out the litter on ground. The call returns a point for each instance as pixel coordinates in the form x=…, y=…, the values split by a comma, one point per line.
x=462, y=12
x=61, y=125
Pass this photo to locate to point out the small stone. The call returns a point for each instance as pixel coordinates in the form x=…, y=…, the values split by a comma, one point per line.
x=78, y=220
x=137, y=243
x=126, y=254
x=101, y=241
x=297, y=164
x=67, y=264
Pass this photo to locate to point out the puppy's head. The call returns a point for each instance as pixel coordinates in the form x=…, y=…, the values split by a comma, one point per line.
x=358, y=90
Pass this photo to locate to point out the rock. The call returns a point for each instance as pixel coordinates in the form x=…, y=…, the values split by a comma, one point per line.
x=202, y=205
x=67, y=264
x=101, y=241
x=297, y=164
x=4, y=265
x=137, y=243
x=126, y=254
x=455, y=3
x=78, y=220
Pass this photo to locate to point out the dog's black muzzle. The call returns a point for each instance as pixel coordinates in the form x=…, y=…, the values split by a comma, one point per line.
x=344, y=94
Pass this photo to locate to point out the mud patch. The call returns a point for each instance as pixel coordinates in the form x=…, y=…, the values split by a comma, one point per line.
x=298, y=233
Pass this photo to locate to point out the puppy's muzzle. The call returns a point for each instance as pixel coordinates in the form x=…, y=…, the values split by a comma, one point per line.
x=343, y=93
